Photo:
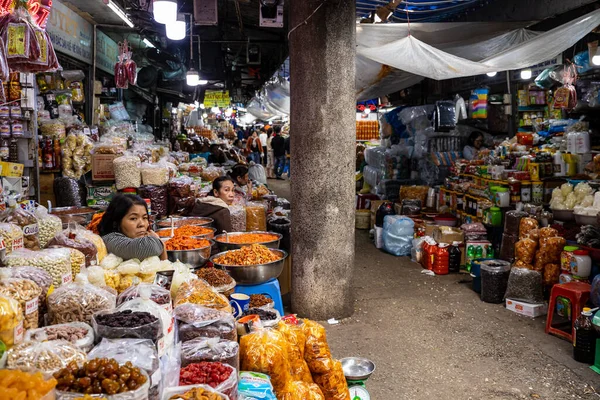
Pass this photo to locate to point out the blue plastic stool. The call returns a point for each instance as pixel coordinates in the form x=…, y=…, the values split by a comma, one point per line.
x=269, y=288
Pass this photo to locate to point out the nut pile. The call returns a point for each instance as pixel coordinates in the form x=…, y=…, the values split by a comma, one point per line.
x=127, y=172
x=77, y=261
x=27, y=293
x=100, y=376
x=214, y=277
x=47, y=357
x=60, y=332
x=57, y=262
x=259, y=300
x=12, y=236
x=48, y=226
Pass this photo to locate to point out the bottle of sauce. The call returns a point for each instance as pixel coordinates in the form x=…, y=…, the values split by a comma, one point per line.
x=584, y=339
x=13, y=151
x=57, y=154
x=455, y=258
x=441, y=261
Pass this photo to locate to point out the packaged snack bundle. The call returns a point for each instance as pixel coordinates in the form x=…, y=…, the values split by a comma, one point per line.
x=525, y=250
x=296, y=342
x=11, y=321
x=526, y=225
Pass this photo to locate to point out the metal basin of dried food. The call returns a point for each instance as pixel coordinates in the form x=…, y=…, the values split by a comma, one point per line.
x=253, y=274
x=180, y=221
x=195, y=257
x=79, y=215
x=357, y=368
x=166, y=233
x=225, y=246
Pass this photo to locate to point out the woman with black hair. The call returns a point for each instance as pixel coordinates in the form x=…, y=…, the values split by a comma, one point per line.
x=216, y=204
x=126, y=231
x=474, y=145
x=243, y=184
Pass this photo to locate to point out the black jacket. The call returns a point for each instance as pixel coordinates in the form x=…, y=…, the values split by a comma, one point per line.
x=278, y=146
x=219, y=214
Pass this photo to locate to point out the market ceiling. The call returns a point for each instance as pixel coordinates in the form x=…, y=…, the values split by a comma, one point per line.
x=422, y=10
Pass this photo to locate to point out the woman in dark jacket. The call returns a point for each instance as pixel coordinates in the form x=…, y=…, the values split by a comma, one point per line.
x=216, y=204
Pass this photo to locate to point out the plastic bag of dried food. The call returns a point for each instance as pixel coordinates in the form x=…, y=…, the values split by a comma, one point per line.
x=507, y=249
x=521, y=264
x=210, y=349
x=534, y=235
x=333, y=383
x=78, y=333
x=551, y=273
x=27, y=293
x=71, y=239
x=525, y=250
x=197, y=392
x=228, y=386
x=78, y=302
x=527, y=224
x=127, y=172
x=140, y=352
x=11, y=321
x=158, y=198
x=196, y=321
x=525, y=285
x=299, y=390
x=166, y=321
x=316, y=351
x=296, y=342
x=199, y=292
x=12, y=236
x=157, y=294
x=265, y=351
x=41, y=278
x=28, y=224
x=47, y=357
x=111, y=262
x=551, y=247
x=512, y=221
x=95, y=239
x=256, y=217
x=57, y=262
x=146, y=326
x=548, y=232
x=238, y=218
x=155, y=174
x=77, y=261
x=49, y=225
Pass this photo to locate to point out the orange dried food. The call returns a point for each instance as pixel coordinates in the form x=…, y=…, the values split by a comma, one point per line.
x=15, y=384
x=183, y=243
x=333, y=383
x=296, y=342
x=316, y=349
x=298, y=390
x=249, y=238
x=200, y=292
x=248, y=255
x=93, y=225
x=192, y=230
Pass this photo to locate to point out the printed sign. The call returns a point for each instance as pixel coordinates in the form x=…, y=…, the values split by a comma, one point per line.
x=217, y=98
x=107, y=52
x=70, y=33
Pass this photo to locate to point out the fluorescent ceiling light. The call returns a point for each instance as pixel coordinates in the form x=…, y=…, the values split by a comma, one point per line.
x=165, y=11
x=202, y=82
x=148, y=43
x=176, y=30
x=491, y=74
x=192, y=77
x=526, y=74
x=117, y=10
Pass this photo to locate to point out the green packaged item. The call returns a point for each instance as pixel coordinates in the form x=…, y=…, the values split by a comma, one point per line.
x=100, y=195
x=255, y=386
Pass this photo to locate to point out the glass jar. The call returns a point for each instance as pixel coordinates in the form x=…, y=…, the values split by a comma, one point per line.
x=526, y=191
x=515, y=190
x=537, y=192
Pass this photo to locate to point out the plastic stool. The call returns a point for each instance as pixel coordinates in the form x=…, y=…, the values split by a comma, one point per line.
x=578, y=294
x=269, y=288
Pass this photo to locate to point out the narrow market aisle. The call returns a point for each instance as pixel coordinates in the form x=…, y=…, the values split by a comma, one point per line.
x=431, y=337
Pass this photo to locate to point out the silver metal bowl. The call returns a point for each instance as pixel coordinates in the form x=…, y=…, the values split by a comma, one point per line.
x=224, y=246
x=563, y=215
x=253, y=274
x=196, y=257
x=79, y=215
x=180, y=221
x=209, y=235
x=357, y=368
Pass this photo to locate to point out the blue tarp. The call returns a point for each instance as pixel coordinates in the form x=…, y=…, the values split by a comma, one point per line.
x=420, y=10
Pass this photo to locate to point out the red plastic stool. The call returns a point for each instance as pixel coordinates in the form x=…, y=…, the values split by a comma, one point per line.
x=578, y=294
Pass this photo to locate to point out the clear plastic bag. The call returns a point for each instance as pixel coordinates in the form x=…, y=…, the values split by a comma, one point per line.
x=296, y=343
x=549, y=252
x=200, y=292
x=265, y=351
x=127, y=172
x=551, y=274
x=527, y=224
x=11, y=321
x=316, y=353
x=78, y=302
x=238, y=218
x=548, y=232
x=140, y=352
x=77, y=261
x=57, y=262
x=27, y=293
x=227, y=387
x=158, y=198
x=41, y=278
x=95, y=239
x=111, y=261
x=140, y=393
x=157, y=294
x=256, y=217
x=299, y=390
x=196, y=321
x=49, y=225
x=145, y=304
x=525, y=285
x=155, y=174
x=193, y=392
x=525, y=250
x=71, y=239
x=79, y=334
x=12, y=236
x=333, y=383
x=151, y=330
x=507, y=249
x=512, y=221
x=398, y=233
x=47, y=357
x=28, y=224
x=210, y=349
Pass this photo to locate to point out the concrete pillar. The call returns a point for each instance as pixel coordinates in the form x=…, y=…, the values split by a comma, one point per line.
x=322, y=53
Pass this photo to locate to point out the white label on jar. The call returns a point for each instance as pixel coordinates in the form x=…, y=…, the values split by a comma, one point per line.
x=31, y=306
x=18, y=333
x=30, y=230
x=67, y=278
x=17, y=243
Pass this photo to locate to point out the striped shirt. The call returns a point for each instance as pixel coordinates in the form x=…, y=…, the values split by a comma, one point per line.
x=127, y=248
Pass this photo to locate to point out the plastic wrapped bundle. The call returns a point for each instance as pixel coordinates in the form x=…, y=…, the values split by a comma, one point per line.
x=181, y=196
x=47, y=357
x=296, y=343
x=299, y=390
x=158, y=198
x=57, y=262
x=72, y=240
x=27, y=293
x=41, y=278
x=398, y=232
x=507, y=249
x=512, y=222
x=527, y=224
x=333, y=383
x=525, y=250
x=28, y=224
x=494, y=279
x=213, y=349
x=127, y=172
x=316, y=350
x=525, y=285
x=196, y=321
x=78, y=302
x=256, y=217
x=238, y=218
x=69, y=192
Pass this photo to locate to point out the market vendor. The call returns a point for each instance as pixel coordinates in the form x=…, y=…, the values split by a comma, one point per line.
x=474, y=145
x=126, y=231
x=242, y=183
x=216, y=204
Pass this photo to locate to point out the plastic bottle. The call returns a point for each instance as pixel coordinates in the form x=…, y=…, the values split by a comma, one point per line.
x=471, y=252
x=442, y=260
x=584, y=340
x=455, y=258
x=479, y=252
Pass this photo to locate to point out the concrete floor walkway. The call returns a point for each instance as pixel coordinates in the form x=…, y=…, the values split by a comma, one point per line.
x=432, y=338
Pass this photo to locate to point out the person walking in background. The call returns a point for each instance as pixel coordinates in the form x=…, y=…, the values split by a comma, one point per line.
x=264, y=136
x=254, y=148
x=287, y=156
x=278, y=145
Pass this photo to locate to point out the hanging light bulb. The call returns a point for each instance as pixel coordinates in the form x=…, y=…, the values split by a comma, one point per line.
x=176, y=30
x=215, y=110
x=192, y=77
x=202, y=107
x=596, y=58
x=491, y=74
x=526, y=74
x=205, y=115
x=165, y=11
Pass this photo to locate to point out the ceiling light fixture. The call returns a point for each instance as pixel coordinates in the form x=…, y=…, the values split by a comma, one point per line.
x=148, y=43
x=596, y=57
x=165, y=11
x=192, y=78
x=176, y=30
x=117, y=10
x=491, y=74
x=526, y=74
